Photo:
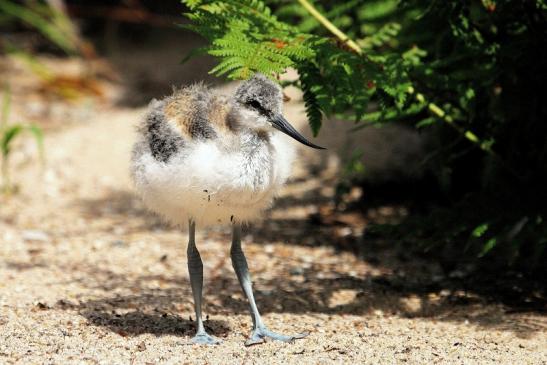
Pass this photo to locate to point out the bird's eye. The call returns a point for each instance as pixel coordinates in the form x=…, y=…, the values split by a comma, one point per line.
x=255, y=104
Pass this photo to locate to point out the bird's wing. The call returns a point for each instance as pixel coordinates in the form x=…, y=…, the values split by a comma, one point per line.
x=197, y=112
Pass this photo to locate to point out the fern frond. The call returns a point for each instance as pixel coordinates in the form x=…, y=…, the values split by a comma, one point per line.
x=384, y=36
x=314, y=95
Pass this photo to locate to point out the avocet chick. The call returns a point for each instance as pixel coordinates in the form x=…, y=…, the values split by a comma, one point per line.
x=208, y=159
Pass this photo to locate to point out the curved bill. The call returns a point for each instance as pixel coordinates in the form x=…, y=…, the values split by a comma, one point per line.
x=281, y=124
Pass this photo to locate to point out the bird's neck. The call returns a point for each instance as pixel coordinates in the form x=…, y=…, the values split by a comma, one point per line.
x=253, y=140
x=249, y=137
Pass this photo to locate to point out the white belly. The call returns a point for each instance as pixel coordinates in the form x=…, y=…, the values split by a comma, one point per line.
x=212, y=186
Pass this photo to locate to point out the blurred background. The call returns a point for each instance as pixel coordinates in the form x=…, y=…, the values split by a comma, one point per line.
x=421, y=214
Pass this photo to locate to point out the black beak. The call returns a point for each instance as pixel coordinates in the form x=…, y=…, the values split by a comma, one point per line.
x=281, y=124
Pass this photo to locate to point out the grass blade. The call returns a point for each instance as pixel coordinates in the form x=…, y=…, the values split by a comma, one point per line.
x=39, y=138
x=7, y=137
x=48, y=27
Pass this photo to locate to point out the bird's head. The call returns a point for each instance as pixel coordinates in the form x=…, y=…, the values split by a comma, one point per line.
x=261, y=101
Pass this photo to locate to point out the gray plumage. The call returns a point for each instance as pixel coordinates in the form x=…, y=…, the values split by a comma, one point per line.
x=260, y=94
x=163, y=140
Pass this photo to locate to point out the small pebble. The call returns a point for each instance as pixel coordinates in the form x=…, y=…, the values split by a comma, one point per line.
x=35, y=235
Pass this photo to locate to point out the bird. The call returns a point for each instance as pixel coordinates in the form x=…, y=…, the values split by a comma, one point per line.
x=203, y=159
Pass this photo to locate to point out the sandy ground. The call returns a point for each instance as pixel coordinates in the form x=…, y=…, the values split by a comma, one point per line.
x=88, y=276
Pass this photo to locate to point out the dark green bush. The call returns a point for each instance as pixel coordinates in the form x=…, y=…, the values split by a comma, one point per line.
x=472, y=72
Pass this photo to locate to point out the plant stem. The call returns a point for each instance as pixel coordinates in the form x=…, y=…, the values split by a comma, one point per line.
x=331, y=27
x=441, y=114
x=5, y=184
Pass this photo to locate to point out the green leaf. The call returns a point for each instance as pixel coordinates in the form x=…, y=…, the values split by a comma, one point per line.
x=426, y=122
x=312, y=93
x=480, y=230
x=488, y=246
x=195, y=52
x=7, y=137
x=12, y=131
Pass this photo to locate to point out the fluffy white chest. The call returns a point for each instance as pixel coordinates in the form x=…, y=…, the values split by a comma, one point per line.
x=212, y=185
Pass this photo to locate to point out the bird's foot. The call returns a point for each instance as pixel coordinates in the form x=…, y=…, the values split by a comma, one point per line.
x=203, y=338
x=260, y=334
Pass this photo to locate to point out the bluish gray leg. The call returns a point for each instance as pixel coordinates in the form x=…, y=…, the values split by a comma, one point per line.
x=195, y=268
x=239, y=262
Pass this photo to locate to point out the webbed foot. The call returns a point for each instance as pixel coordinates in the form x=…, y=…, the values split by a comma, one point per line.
x=260, y=334
x=203, y=338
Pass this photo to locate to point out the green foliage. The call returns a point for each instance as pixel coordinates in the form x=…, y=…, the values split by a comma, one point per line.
x=248, y=37
x=510, y=237
x=51, y=23
x=470, y=72
x=8, y=135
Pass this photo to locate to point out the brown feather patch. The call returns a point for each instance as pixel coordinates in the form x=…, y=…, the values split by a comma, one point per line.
x=179, y=111
x=218, y=114
x=198, y=113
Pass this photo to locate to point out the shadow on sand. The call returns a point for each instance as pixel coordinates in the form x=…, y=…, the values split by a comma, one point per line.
x=157, y=311
x=415, y=286
x=149, y=309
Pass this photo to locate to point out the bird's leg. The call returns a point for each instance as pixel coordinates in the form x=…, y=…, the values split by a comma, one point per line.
x=239, y=262
x=195, y=268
